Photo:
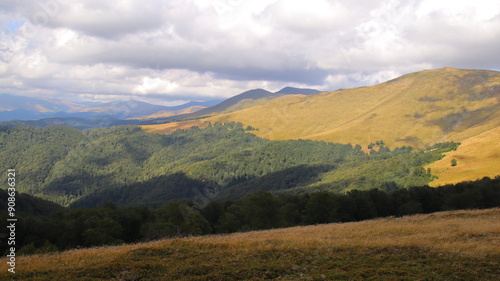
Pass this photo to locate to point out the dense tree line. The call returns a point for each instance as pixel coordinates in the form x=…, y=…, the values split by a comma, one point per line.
x=45, y=227
x=127, y=166
x=34, y=151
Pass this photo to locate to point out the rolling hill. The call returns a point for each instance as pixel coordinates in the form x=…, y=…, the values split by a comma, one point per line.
x=476, y=157
x=417, y=109
x=128, y=166
x=439, y=246
x=241, y=101
x=244, y=100
x=169, y=113
x=226, y=105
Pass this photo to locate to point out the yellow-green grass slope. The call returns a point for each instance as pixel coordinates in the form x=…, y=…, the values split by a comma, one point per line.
x=166, y=113
x=417, y=109
x=476, y=157
x=459, y=245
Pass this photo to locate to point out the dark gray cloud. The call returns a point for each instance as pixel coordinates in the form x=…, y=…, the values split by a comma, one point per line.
x=200, y=48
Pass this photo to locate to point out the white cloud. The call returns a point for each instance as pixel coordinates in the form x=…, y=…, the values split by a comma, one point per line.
x=202, y=48
x=155, y=85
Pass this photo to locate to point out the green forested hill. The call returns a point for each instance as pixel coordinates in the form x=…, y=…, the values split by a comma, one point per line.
x=28, y=205
x=130, y=167
x=34, y=151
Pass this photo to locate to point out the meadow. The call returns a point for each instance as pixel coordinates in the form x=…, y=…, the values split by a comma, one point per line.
x=456, y=245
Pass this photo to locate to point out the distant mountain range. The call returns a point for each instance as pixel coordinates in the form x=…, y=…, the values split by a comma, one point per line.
x=27, y=108
x=82, y=115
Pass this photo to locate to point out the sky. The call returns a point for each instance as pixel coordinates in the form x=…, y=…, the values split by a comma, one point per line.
x=172, y=51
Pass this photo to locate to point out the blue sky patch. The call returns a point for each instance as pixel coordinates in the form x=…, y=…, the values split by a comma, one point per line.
x=14, y=25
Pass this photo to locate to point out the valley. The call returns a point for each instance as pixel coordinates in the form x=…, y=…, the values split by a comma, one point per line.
x=256, y=174
x=249, y=140
x=88, y=168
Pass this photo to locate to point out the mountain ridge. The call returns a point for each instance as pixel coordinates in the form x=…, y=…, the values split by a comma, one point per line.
x=240, y=101
x=416, y=109
x=22, y=108
x=28, y=108
x=297, y=91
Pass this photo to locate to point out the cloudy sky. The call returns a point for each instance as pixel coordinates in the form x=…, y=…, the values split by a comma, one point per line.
x=171, y=51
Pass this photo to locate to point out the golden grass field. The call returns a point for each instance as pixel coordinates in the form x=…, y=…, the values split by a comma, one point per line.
x=417, y=109
x=170, y=127
x=476, y=157
x=166, y=113
x=457, y=245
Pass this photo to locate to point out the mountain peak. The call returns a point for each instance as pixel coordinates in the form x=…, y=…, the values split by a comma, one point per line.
x=254, y=93
x=297, y=91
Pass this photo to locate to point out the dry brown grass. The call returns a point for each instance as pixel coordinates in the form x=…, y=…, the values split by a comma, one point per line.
x=166, y=113
x=460, y=238
x=477, y=157
x=473, y=233
x=170, y=127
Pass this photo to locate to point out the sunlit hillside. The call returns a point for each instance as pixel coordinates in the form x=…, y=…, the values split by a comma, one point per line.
x=166, y=113
x=476, y=157
x=459, y=245
x=417, y=109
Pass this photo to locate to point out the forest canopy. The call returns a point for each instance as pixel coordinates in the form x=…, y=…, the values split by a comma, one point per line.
x=127, y=166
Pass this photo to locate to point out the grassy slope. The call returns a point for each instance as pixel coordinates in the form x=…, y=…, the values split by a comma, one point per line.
x=459, y=245
x=417, y=109
x=166, y=113
x=477, y=157
x=170, y=127
x=202, y=123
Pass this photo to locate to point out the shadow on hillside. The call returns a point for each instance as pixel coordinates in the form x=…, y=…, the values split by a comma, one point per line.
x=72, y=186
x=280, y=180
x=152, y=193
x=155, y=192
x=463, y=120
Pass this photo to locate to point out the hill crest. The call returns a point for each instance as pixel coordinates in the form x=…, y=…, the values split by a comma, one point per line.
x=416, y=109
